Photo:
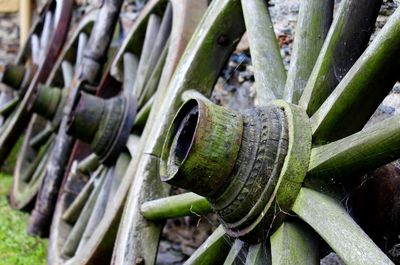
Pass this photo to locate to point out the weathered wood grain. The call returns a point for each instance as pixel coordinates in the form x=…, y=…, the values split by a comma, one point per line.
x=359, y=153
x=346, y=40
x=294, y=243
x=269, y=71
x=364, y=87
x=176, y=206
x=313, y=23
x=213, y=251
x=331, y=221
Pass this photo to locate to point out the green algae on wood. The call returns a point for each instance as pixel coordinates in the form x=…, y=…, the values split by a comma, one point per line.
x=176, y=206
x=331, y=221
x=315, y=18
x=269, y=71
x=294, y=243
x=359, y=153
x=347, y=39
x=213, y=251
x=364, y=87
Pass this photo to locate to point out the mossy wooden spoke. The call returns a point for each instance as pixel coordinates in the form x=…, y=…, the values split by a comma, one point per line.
x=269, y=71
x=8, y=107
x=346, y=40
x=153, y=27
x=74, y=210
x=142, y=115
x=294, y=243
x=82, y=42
x=364, y=87
x=176, y=206
x=313, y=23
x=154, y=79
x=160, y=44
x=130, y=70
x=74, y=238
x=359, y=153
x=213, y=251
x=68, y=73
x=98, y=209
x=88, y=164
x=237, y=254
x=331, y=221
x=258, y=254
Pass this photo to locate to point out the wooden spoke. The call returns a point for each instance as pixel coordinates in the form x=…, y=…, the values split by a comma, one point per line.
x=313, y=23
x=35, y=47
x=68, y=73
x=361, y=91
x=98, y=209
x=45, y=36
x=359, y=153
x=258, y=255
x=57, y=12
x=143, y=114
x=9, y=106
x=88, y=164
x=154, y=79
x=41, y=138
x=237, y=253
x=269, y=71
x=294, y=243
x=119, y=172
x=176, y=206
x=213, y=251
x=82, y=42
x=331, y=221
x=346, y=40
x=160, y=44
x=75, y=236
x=32, y=170
x=130, y=70
x=73, y=212
x=153, y=27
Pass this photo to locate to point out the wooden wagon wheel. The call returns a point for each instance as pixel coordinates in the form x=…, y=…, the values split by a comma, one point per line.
x=266, y=172
x=39, y=137
x=86, y=218
x=33, y=65
x=80, y=69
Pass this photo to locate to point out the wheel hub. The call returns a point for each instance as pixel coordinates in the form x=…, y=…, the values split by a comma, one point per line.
x=103, y=123
x=241, y=162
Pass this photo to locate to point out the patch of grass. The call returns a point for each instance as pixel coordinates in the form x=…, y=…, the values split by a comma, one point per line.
x=16, y=246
